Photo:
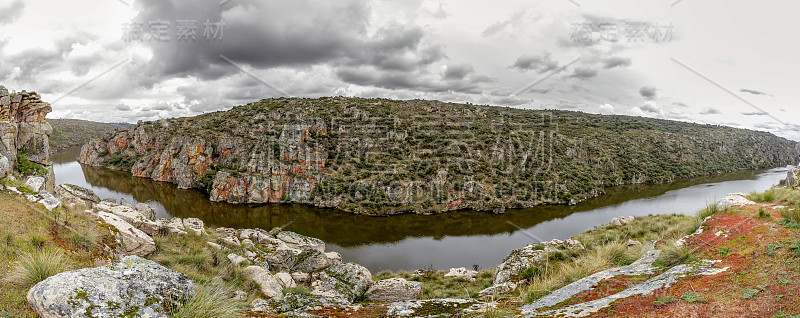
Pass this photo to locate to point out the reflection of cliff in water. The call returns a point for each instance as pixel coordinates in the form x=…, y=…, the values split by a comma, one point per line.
x=353, y=230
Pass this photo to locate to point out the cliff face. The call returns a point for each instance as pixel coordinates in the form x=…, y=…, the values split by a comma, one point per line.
x=23, y=128
x=385, y=157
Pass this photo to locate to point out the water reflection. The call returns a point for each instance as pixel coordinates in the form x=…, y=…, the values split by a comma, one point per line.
x=411, y=241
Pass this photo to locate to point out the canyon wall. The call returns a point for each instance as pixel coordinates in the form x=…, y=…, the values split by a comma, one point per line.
x=383, y=157
x=23, y=128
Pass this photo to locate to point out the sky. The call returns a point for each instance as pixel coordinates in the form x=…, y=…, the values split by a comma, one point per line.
x=726, y=62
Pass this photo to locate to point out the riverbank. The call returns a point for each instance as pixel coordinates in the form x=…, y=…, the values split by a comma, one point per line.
x=408, y=242
x=524, y=277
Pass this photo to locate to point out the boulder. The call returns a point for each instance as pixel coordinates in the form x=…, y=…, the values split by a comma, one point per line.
x=310, y=261
x=532, y=255
x=500, y=289
x=301, y=277
x=132, y=287
x=301, y=242
x=394, y=289
x=194, y=226
x=633, y=243
x=125, y=203
x=146, y=210
x=173, y=226
x=49, y=201
x=462, y=273
x=283, y=259
x=35, y=183
x=621, y=220
x=136, y=242
x=236, y=260
x=269, y=285
x=286, y=280
x=345, y=281
x=72, y=194
x=334, y=258
x=131, y=216
x=5, y=167
x=791, y=178
x=300, y=302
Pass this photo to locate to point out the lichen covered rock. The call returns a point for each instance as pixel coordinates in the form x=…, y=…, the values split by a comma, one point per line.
x=72, y=194
x=394, y=289
x=133, y=287
x=345, y=281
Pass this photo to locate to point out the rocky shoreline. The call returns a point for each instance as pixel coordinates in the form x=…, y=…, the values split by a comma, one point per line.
x=277, y=261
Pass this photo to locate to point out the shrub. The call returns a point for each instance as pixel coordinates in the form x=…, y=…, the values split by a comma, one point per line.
x=530, y=272
x=37, y=240
x=664, y=300
x=791, y=214
x=673, y=255
x=83, y=238
x=33, y=267
x=209, y=301
x=26, y=167
x=692, y=297
x=763, y=214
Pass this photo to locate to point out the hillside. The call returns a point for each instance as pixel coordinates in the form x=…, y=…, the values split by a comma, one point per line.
x=75, y=132
x=380, y=157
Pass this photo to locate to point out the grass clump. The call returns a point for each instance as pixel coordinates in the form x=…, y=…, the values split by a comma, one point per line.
x=749, y=293
x=672, y=255
x=83, y=238
x=37, y=240
x=763, y=214
x=208, y=302
x=664, y=300
x=33, y=267
x=692, y=297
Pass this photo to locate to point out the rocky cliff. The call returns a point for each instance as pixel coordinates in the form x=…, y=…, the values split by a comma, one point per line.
x=381, y=157
x=23, y=129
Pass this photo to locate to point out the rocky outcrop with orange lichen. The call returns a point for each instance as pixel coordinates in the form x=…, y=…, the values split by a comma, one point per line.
x=383, y=157
x=23, y=129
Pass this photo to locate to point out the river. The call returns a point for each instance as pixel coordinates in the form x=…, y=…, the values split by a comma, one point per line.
x=408, y=242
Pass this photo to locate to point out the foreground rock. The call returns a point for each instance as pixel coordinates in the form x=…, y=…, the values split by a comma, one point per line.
x=136, y=242
x=532, y=255
x=270, y=286
x=394, y=289
x=72, y=194
x=134, y=287
x=345, y=281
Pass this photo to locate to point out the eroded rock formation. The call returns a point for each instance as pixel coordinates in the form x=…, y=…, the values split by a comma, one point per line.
x=23, y=128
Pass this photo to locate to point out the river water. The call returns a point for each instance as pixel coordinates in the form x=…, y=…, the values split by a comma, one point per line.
x=408, y=242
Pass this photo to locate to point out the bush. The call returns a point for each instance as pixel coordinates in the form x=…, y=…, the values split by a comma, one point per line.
x=763, y=214
x=84, y=239
x=27, y=167
x=33, y=267
x=673, y=255
x=209, y=301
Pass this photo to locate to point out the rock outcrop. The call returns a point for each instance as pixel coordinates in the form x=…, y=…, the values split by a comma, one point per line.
x=533, y=255
x=135, y=241
x=394, y=289
x=72, y=194
x=384, y=157
x=23, y=130
x=133, y=287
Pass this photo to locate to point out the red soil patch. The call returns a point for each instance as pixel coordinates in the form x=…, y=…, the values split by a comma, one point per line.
x=757, y=255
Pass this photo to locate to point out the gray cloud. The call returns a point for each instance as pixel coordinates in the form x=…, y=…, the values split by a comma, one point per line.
x=651, y=108
x=11, y=12
x=540, y=63
x=648, y=92
x=752, y=91
x=755, y=113
x=501, y=25
x=616, y=61
x=123, y=107
x=584, y=73
x=710, y=111
x=459, y=71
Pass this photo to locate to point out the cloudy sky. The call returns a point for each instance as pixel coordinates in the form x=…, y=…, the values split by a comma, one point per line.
x=708, y=61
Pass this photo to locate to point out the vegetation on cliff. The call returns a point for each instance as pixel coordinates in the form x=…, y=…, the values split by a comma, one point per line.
x=75, y=132
x=379, y=157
